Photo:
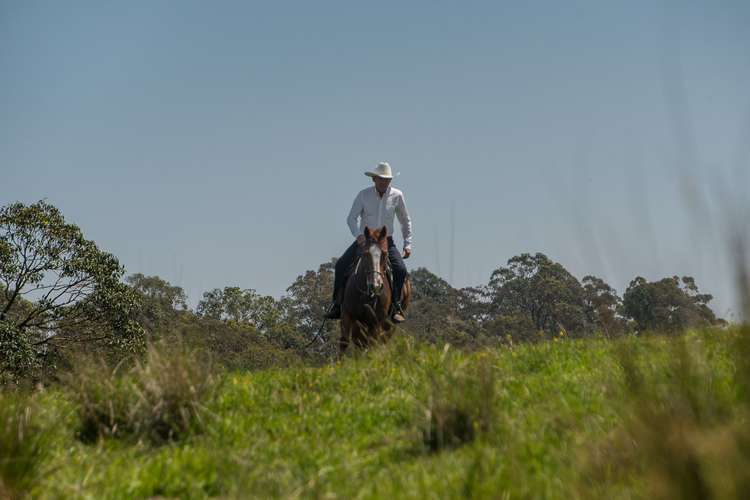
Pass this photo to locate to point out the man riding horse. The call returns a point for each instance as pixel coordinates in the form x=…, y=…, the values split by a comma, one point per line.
x=376, y=207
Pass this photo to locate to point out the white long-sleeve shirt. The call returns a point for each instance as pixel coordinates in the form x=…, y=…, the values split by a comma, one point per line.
x=375, y=211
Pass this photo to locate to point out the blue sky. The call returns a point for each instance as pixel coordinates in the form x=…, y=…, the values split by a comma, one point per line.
x=222, y=143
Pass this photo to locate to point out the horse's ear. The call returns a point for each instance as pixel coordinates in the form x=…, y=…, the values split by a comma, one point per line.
x=367, y=232
x=383, y=233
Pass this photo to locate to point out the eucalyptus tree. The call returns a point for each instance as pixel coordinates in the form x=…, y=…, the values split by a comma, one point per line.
x=162, y=303
x=57, y=287
x=602, y=305
x=537, y=292
x=243, y=306
x=668, y=305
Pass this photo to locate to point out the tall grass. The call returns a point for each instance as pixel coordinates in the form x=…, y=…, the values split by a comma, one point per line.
x=686, y=431
x=161, y=398
x=459, y=404
x=24, y=446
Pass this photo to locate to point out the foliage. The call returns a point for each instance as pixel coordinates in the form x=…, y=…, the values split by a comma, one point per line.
x=161, y=302
x=474, y=308
x=18, y=355
x=24, y=445
x=428, y=286
x=233, y=304
x=601, y=303
x=239, y=328
x=668, y=305
x=237, y=346
x=268, y=325
x=307, y=300
x=540, y=290
x=534, y=298
x=433, y=314
x=240, y=306
x=73, y=289
x=161, y=398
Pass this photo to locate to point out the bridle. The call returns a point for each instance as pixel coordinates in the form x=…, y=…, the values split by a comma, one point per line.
x=371, y=291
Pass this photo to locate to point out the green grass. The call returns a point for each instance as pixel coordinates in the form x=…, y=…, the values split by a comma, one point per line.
x=25, y=442
x=160, y=398
x=563, y=419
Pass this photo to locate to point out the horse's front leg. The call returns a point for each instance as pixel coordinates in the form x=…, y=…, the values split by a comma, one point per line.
x=387, y=332
x=384, y=326
x=359, y=334
x=346, y=333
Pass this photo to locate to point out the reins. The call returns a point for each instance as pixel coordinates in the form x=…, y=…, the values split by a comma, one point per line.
x=317, y=334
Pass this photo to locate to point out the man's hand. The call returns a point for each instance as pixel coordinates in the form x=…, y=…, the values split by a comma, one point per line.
x=361, y=240
x=407, y=252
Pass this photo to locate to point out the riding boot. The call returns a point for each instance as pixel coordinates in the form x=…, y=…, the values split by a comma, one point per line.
x=334, y=312
x=397, y=314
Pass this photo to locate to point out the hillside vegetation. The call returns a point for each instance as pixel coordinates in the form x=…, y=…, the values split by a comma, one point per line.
x=589, y=418
x=62, y=296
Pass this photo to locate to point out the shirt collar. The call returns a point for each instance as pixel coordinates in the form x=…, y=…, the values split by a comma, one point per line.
x=385, y=195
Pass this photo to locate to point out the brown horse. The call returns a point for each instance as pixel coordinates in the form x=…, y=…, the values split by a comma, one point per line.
x=367, y=296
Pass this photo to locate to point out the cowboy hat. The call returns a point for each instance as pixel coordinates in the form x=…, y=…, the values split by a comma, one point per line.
x=383, y=170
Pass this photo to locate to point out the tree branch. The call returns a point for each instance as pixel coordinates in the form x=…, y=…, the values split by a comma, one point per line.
x=74, y=296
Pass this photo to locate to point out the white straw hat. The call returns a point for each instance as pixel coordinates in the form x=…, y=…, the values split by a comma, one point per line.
x=383, y=170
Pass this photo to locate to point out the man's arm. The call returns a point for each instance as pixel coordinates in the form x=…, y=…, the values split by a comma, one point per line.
x=403, y=217
x=354, y=214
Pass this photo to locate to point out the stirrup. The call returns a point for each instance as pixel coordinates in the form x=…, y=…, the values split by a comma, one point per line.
x=397, y=314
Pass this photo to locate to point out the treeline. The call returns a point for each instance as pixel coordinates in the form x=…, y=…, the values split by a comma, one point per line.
x=534, y=298
x=62, y=297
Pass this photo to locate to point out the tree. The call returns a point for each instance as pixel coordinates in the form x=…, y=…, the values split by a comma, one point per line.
x=161, y=302
x=58, y=286
x=433, y=313
x=601, y=303
x=535, y=291
x=308, y=298
x=240, y=306
x=430, y=287
x=669, y=305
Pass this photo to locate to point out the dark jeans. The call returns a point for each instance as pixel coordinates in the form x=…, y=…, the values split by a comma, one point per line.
x=346, y=261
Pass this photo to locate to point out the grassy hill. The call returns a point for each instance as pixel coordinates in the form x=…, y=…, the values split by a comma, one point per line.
x=633, y=418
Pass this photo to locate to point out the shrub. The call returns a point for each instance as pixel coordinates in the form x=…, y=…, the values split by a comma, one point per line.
x=24, y=446
x=160, y=398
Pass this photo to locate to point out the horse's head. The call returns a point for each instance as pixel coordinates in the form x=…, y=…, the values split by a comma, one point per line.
x=375, y=257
